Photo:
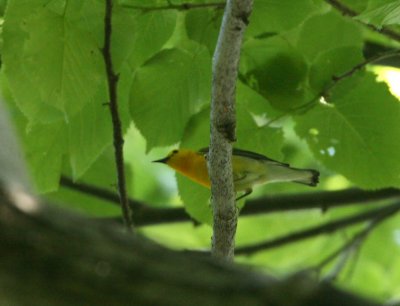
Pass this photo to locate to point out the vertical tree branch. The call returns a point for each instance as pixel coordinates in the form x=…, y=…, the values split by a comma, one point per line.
x=112, y=79
x=223, y=124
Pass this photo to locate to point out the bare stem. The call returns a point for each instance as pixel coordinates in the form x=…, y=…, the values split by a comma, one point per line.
x=112, y=79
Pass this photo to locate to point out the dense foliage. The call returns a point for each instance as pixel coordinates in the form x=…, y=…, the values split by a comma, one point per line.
x=305, y=95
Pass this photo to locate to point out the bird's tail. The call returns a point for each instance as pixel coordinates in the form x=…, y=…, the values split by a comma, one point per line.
x=285, y=173
x=309, y=177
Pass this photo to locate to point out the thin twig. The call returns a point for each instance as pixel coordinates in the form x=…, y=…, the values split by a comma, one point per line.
x=345, y=10
x=112, y=79
x=352, y=244
x=325, y=92
x=348, y=245
x=147, y=214
x=346, y=253
x=179, y=7
x=358, y=67
x=352, y=247
x=325, y=228
x=342, y=261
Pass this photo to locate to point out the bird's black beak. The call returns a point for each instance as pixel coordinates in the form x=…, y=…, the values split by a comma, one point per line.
x=162, y=160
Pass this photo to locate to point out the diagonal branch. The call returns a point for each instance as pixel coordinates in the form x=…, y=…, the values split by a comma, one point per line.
x=352, y=243
x=349, y=248
x=325, y=228
x=326, y=91
x=112, y=79
x=223, y=125
x=147, y=214
x=323, y=200
x=345, y=10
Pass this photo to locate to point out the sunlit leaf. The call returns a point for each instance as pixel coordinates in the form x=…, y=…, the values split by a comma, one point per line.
x=354, y=134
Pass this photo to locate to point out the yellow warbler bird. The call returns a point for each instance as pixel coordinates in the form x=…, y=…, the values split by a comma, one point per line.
x=249, y=169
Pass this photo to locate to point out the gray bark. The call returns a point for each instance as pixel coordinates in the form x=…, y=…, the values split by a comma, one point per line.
x=223, y=123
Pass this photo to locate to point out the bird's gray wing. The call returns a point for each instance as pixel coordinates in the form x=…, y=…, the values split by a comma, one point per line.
x=248, y=154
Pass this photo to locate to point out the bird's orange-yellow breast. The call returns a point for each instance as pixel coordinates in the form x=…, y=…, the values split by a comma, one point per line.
x=191, y=164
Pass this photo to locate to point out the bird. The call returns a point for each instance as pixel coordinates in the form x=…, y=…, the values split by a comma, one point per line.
x=249, y=169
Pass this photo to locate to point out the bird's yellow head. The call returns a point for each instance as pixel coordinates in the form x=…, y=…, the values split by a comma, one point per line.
x=178, y=159
x=189, y=163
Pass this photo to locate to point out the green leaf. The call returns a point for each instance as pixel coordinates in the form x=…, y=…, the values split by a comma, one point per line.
x=203, y=26
x=333, y=63
x=255, y=103
x=355, y=134
x=137, y=4
x=276, y=70
x=90, y=132
x=326, y=32
x=138, y=35
x=21, y=84
x=101, y=174
x=45, y=146
x=59, y=65
x=260, y=139
x=357, y=5
x=55, y=69
x=166, y=91
x=386, y=14
x=3, y=5
x=277, y=16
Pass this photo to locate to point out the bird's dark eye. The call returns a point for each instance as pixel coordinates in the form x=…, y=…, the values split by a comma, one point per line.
x=174, y=151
